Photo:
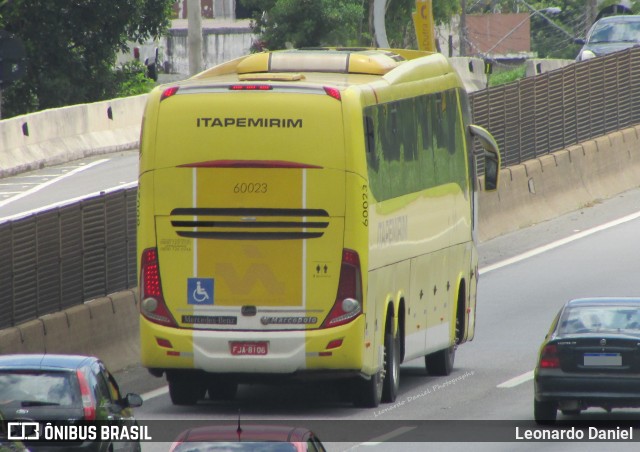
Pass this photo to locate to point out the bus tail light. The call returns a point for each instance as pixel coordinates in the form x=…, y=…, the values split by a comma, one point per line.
x=333, y=92
x=168, y=92
x=88, y=403
x=152, y=305
x=348, y=304
x=549, y=358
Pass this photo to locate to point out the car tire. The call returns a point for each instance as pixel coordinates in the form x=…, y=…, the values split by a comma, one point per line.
x=440, y=363
x=185, y=389
x=222, y=389
x=368, y=393
x=545, y=412
x=391, y=380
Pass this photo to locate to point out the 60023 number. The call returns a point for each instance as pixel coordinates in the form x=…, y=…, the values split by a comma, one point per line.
x=250, y=187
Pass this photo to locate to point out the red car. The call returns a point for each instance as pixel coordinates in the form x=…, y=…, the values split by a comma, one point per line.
x=263, y=438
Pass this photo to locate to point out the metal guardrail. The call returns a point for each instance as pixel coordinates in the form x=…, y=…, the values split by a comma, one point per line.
x=59, y=258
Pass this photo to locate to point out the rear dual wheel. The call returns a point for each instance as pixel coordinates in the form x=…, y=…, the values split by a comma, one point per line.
x=391, y=367
x=440, y=363
x=222, y=389
x=383, y=386
x=185, y=388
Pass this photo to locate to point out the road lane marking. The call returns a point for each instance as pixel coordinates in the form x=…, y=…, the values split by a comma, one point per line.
x=558, y=243
x=51, y=182
x=155, y=393
x=515, y=381
x=66, y=202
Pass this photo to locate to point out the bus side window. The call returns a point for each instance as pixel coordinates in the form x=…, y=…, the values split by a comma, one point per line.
x=391, y=149
x=370, y=143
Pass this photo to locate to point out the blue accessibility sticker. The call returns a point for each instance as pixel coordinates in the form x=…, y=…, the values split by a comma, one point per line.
x=200, y=291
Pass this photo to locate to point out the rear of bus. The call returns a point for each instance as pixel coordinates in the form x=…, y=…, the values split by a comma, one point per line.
x=245, y=263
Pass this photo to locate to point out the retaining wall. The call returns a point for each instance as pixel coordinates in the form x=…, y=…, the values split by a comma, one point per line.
x=60, y=135
x=106, y=327
x=558, y=183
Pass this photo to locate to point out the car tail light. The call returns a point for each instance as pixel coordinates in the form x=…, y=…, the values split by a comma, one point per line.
x=153, y=306
x=549, y=358
x=88, y=402
x=348, y=304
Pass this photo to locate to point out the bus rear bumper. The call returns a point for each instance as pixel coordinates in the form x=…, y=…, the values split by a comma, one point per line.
x=259, y=352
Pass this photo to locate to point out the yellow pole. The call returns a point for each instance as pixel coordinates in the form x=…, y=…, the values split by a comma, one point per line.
x=424, y=25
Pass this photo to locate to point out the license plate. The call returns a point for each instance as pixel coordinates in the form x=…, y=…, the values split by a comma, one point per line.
x=249, y=348
x=602, y=359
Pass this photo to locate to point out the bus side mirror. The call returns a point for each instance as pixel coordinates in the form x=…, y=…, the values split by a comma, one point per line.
x=491, y=156
x=490, y=172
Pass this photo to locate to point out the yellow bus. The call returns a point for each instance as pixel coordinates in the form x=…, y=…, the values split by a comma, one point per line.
x=309, y=214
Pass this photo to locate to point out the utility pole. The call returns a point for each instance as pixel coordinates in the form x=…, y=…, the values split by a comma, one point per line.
x=463, y=28
x=380, y=32
x=592, y=13
x=194, y=36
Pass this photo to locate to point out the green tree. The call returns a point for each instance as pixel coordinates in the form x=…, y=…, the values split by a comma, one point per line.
x=72, y=45
x=303, y=23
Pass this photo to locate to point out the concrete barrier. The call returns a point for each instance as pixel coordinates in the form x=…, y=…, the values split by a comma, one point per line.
x=60, y=135
x=106, y=327
x=540, y=66
x=555, y=184
x=471, y=71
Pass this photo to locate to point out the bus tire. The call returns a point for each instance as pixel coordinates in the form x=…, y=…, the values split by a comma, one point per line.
x=222, y=389
x=368, y=393
x=440, y=363
x=185, y=389
x=391, y=380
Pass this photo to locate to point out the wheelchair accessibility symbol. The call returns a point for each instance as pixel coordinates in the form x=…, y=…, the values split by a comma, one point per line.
x=200, y=291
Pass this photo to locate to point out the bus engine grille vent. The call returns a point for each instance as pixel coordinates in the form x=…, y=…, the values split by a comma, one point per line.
x=249, y=223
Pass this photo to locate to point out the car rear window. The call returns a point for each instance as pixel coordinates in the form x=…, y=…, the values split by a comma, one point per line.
x=597, y=319
x=29, y=387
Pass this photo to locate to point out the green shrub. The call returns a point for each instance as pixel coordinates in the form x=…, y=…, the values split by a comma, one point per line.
x=507, y=76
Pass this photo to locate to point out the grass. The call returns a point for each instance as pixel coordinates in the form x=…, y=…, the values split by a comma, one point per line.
x=507, y=76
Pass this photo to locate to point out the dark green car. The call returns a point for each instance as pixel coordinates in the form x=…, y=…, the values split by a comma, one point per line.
x=37, y=389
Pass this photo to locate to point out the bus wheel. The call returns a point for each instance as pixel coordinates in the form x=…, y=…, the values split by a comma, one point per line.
x=391, y=367
x=368, y=393
x=185, y=388
x=222, y=389
x=440, y=363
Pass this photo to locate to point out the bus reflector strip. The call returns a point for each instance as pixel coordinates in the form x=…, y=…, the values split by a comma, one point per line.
x=248, y=164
